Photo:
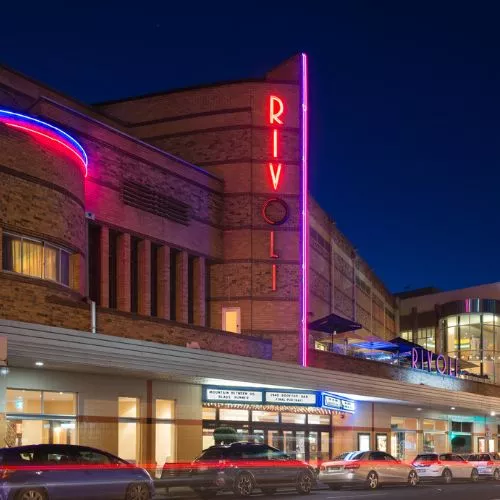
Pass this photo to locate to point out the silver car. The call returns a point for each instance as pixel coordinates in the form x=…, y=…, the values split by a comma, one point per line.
x=366, y=468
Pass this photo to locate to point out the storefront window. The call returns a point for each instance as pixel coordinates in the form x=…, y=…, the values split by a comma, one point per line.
x=404, y=437
x=293, y=418
x=381, y=442
x=363, y=442
x=164, y=432
x=128, y=412
x=265, y=416
x=35, y=417
x=233, y=414
x=461, y=437
x=318, y=419
x=435, y=436
x=208, y=413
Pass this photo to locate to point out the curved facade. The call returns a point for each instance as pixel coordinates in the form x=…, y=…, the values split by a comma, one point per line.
x=470, y=330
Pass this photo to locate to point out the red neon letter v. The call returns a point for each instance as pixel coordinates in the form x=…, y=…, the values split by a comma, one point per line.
x=275, y=176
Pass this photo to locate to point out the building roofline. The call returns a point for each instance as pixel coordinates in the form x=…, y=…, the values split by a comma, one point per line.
x=191, y=88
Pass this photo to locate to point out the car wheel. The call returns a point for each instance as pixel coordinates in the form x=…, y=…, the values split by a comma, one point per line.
x=138, y=491
x=496, y=475
x=372, y=480
x=269, y=491
x=447, y=476
x=304, y=483
x=243, y=485
x=474, y=476
x=31, y=494
x=412, y=479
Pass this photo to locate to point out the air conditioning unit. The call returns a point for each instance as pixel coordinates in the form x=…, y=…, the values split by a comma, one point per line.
x=90, y=215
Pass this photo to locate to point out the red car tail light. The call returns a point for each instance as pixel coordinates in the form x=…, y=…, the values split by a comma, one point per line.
x=353, y=466
x=490, y=463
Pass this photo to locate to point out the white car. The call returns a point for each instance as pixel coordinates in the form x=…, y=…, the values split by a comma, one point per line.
x=487, y=464
x=444, y=467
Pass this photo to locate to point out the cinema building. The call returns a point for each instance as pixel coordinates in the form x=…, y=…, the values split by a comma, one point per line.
x=165, y=272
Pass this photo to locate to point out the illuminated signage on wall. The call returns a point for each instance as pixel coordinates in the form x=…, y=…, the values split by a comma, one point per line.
x=428, y=361
x=334, y=402
x=49, y=134
x=279, y=397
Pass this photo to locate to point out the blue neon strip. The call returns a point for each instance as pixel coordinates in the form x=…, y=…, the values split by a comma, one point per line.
x=29, y=119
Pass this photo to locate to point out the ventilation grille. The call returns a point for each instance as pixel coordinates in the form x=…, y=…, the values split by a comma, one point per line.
x=144, y=198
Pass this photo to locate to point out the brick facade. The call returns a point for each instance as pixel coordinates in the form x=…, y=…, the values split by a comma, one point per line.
x=178, y=236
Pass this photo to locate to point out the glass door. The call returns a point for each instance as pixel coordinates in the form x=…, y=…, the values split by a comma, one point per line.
x=314, y=445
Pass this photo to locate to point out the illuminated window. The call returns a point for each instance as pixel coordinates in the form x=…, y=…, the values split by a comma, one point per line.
x=233, y=414
x=208, y=413
x=293, y=418
x=165, y=432
x=35, y=258
x=265, y=416
x=128, y=413
x=231, y=319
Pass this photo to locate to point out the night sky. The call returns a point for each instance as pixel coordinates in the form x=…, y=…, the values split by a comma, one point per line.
x=405, y=106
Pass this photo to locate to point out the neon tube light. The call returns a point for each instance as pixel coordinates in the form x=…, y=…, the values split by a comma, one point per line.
x=303, y=337
x=47, y=131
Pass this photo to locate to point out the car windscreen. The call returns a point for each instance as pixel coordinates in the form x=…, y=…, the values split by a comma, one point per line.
x=355, y=455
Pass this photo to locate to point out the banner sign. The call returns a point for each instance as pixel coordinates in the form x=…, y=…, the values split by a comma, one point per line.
x=281, y=397
x=338, y=403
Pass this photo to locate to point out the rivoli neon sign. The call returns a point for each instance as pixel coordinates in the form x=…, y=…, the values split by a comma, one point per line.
x=276, y=112
x=444, y=365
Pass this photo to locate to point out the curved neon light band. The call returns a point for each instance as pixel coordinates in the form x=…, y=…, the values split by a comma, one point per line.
x=45, y=130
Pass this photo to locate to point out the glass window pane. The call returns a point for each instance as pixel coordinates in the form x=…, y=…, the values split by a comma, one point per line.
x=265, y=416
x=165, y=408
x=51, y=262
x=165, y=444
x=64, y=277
x=11, y=253
x=21, y=401
x=230, y=414
x=318, y=419
x=293, y=418
x=127, y=408
x=59, y=403
x=127, y=441
x=208, y=413
x=32, y=258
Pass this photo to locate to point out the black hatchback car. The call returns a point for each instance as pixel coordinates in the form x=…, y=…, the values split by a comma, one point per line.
x=243, y=467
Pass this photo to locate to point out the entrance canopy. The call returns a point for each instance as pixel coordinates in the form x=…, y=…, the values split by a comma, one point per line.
x=334, y=324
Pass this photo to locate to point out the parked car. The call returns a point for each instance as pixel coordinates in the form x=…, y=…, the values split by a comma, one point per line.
x=444, y=467
x=368, y=468
x=487, y=464
x=243, y=467
x=60, y=472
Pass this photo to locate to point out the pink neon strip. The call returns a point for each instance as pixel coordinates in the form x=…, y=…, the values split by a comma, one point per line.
x=305, y=229
x=37, y=132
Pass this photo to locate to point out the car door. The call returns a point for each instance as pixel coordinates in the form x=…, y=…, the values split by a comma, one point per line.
x=398, y=471
x=60, y=473
x=462, y=467
x=105, y=477
x=381, y=465
x=283, y=469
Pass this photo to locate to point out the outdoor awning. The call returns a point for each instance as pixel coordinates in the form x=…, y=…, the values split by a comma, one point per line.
x=334, y=324
x=376, y=343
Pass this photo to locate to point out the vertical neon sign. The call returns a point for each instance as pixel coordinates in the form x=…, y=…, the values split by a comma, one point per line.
x=303, y=336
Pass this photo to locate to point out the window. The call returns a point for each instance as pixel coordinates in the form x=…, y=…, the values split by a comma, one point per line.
x=233, y=414
x=173, y=283
x=128, y=413
x=154, y=279
x=134, y=274
x=363, y=442
x=40, y=402
x=231, y=319
x=91, y=457
x=35, y=258
x=208, y=413
x=165, y=451
x=94, y=264
x=293, y=418
x=265, y=416
x=318, y=419
x=190, y=289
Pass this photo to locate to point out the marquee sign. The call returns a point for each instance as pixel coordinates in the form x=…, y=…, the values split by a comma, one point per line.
x=429, y=361
x=279, y=397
